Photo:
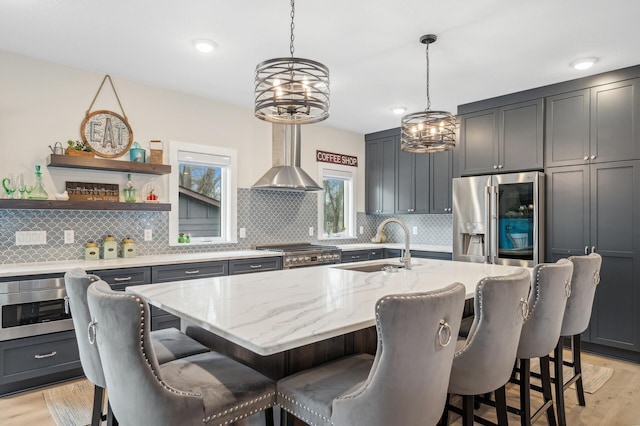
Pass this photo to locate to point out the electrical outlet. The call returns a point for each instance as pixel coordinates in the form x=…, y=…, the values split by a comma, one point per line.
x=69, y=236
x=415, y=230
x=243, y=232
x=148, y=235
x=361, y=230
x=30, y=238
x=311, y=231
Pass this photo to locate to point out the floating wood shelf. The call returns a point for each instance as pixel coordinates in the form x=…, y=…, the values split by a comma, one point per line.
x=80, y=205
x=108, y=165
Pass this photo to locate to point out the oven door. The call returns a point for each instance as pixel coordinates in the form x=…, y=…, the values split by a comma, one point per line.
x=30, y=313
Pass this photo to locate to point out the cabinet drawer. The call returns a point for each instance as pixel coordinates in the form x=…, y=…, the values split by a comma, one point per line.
x=165, y=321
x=354, y=256
x=120, y=278
x=431, y=255
x=188, y=271
x=376, y=254
x=390, y=253
x=248, y=266
x=38, y=356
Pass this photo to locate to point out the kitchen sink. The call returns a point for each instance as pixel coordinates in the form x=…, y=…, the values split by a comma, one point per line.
x=376, y=267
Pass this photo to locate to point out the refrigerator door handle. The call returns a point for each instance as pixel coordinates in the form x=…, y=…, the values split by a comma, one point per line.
x=487, y=235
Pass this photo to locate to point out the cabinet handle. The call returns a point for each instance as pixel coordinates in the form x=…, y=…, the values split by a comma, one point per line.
x=66, y=305
x=586, y=157
x=49, y=355
x=118, y=279
x=495, y=166
x=586, y=249
x=255, y=266
x=355, y=257
x=593, y=157
x=593, y=249
x=197, y=271
x=499, y=166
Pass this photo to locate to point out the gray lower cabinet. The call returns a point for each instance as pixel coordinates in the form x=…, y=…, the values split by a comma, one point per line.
x=597, y=208
x=354, y=256
x=508, y=138
x=375, y=254
x=33, y=361
x=420, y=254
x=260, y=264
x=189, y=271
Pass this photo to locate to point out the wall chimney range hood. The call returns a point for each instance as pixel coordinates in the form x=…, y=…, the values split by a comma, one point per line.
x=286, y=174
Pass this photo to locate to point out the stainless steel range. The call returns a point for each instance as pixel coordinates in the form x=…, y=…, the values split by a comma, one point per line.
x=304, y=254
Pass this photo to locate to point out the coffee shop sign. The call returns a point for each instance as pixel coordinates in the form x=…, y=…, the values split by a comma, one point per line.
x=331, y=157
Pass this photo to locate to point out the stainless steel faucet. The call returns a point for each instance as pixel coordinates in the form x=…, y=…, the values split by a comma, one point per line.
x=406, y=259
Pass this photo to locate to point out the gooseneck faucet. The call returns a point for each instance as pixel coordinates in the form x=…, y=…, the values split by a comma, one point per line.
x=406, y=259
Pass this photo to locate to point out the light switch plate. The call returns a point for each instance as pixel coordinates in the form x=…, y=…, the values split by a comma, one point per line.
x=69, y=236
x=243, y=232
x=415, y=230
x=311, y=231
x=361, y=230
x=148, y=235
x=30, y=238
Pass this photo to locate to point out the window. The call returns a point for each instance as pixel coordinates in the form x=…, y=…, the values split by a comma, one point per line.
x=336, y=209
x=203, y=194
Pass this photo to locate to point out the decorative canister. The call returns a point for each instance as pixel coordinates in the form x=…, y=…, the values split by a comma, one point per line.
x=91, y=251
x=109, y=247
x=128, y=247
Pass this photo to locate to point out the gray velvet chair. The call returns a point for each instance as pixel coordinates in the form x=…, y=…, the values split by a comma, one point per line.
x=585, y=279
x=169, y=344
x=406, y=382
x=484, y=361
x=550, y=289
x=207, y=388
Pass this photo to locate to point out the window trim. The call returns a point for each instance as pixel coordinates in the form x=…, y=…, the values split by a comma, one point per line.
x=229, y=219
x=345, y=172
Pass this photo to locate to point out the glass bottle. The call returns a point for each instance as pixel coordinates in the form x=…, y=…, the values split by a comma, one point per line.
x=129, y=191
x=38, y=192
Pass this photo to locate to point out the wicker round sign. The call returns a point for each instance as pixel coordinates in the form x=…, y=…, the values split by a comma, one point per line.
x=108, y=133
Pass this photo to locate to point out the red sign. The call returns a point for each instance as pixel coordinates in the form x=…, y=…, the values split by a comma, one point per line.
x=330, y=157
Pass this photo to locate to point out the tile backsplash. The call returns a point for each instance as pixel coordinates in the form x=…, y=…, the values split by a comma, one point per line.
x=267, y=216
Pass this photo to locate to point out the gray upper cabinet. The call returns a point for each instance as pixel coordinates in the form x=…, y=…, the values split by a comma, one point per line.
x=380, y=176
x=597, y=208
x=567, y=129
x=615, y=109
x=440, y=181
x=412, y=183
x=505, y=139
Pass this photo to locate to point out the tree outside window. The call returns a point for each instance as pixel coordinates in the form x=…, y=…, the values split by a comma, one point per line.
x=334, y=206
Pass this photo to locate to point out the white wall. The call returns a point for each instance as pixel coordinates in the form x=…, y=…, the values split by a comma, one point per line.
x=42, y=102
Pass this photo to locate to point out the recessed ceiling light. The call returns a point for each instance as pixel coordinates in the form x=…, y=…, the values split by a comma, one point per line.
x=398, y=110
x=584, y=63
x=204, y=46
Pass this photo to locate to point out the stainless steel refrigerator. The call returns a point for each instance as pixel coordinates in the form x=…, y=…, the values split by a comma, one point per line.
x=499, y=219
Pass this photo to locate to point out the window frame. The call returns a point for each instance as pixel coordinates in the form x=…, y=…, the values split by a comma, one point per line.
x=347, y=173
x=228, y=197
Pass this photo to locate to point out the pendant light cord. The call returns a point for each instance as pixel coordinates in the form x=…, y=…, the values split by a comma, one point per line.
x=293, y=26
x=428, y=97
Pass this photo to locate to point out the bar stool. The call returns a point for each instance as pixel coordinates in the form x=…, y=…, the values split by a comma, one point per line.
x=204, y=388
x=484, y=361
x=170, y=343
x=550, y=289
x=585, y=279
x=406, y=382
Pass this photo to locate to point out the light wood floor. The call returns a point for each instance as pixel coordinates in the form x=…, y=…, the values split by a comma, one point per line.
x=617, y=403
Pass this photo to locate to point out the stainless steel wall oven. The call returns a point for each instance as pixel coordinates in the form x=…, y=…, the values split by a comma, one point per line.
x=32, y=306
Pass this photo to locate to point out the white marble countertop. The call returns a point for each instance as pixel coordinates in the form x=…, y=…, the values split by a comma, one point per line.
x=20, y=269
x=271, y=312
x=370, y=246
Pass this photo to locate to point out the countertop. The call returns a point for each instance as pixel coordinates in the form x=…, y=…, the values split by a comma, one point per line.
x=373, y=246
x=276, y=311
x=21, y=269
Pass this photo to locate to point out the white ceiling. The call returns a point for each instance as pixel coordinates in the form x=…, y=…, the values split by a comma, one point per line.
x=486, y=48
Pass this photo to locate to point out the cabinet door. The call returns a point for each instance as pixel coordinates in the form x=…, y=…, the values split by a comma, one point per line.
x=405, y=182
x=567, y=129
x=479, y=142
x=422, y=183
x=521, y=136
x=567, y=230
x=615, y=235
x=614, y=119
x=259, y=264
x=380, y=175
x=188, y=271
x=354, y=256
x=119, y=279
x=440, y=182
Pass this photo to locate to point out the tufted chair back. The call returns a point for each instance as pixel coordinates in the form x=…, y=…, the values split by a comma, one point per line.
x=585, y=279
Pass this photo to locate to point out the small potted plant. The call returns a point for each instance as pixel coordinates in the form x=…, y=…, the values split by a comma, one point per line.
x=78, y=148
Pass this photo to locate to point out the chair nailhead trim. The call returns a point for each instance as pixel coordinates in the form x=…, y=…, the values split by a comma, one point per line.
x=240, y=406
x=304, y=407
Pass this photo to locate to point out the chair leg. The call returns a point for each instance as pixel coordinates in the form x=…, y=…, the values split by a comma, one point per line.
x=98, y=400
x=577, y=369
x=559, y=384
x=501, y=406
x=525, y=392
x=546, y=389
x=444, y=420
x=268, y=416
x=467, y=410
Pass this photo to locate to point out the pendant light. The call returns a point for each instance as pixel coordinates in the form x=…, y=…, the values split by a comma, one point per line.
x=428, y=131
x=292, y=90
